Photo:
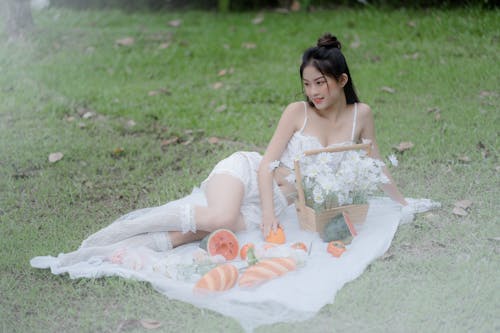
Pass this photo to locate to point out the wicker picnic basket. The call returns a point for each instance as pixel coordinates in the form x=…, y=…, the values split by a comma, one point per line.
x=311, y=220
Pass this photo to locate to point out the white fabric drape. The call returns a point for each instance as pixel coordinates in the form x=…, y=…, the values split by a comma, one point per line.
x=296, y=296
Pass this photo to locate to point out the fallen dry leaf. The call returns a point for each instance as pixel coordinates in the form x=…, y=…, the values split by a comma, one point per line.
x=258, y=19
x=188, y=141
x=412, y=24
x=127, y=41
x=217, y=85
x=83, y=110
x=225, y=71
x=163, y=46
x=464, y=158
x=213, y=140
x=433, y=110
x=170, y=141
x=249, y=46
x=355, y=44
x=88, y=115
x=403, y=146
x=54, y=157
x=130, y=123
x=388, y=90
x=118, y=152
x=413, y=56
x=175, y=23
x=221, y=108
x=161, y=91
x=486, y=93
x=150, y=324
x=459, y=211
x=464, y=204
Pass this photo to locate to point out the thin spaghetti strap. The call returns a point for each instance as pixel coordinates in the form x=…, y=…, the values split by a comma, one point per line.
x=305, y=118
x=354, y=121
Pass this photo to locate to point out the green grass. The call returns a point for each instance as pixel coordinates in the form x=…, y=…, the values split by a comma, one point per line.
x=440, y=274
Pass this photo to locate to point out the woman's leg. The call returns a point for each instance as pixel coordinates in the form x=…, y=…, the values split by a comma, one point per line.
x=178, y=238
x=224, y=198
x=224, y=195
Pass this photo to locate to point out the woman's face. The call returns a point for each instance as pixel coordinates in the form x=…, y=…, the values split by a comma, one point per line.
x=323, y=91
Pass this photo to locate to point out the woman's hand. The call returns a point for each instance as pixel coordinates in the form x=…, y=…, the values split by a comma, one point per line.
x=269, y=222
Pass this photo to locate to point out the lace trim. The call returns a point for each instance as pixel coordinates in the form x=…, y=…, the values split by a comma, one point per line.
x=187, y=218
x=162, y=241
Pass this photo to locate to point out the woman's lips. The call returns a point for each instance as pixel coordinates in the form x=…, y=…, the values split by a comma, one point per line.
x=317, y=100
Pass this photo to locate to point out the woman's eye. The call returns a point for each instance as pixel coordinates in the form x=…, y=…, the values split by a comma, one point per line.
x=320, y=83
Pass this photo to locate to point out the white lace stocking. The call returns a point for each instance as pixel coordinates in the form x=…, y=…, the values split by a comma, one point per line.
x=156, y=241
x=170, y=217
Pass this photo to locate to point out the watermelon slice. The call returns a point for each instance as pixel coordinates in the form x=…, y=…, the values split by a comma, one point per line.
x=223, y=242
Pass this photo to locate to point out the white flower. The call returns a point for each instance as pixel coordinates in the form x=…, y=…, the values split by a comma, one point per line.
x=393, y=159
x=324, y=158
x=312, y=170
x=326, y=183
x=273, y=165
x=290, y=178
x=364, y=140
x=299, y=157
x=332, y=179
x=318, y=196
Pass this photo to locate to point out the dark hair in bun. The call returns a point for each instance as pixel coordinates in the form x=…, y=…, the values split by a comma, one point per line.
x=328, y=41
x=327, y=58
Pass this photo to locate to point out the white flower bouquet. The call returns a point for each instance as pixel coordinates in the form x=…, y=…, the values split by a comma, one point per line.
x=336, y=181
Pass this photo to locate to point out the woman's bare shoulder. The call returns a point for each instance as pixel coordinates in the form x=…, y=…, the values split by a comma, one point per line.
x=294, y=112
x=364, y=110
x=296, y=107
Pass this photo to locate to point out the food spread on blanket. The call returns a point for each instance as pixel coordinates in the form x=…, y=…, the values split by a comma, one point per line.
x=244, y=250
x=220, y=278
x=223, y=242
x=219, y=263
x=336, y=248
x=257, y=268
x=276, y=237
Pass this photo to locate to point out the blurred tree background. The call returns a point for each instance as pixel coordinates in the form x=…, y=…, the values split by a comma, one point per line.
x=18, y=19
x=238, y=5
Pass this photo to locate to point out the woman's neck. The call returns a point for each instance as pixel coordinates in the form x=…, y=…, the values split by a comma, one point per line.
x=334, y=111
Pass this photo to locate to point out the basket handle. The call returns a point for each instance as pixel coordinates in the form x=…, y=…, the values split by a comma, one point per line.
x=366, y=146
x=301, y=200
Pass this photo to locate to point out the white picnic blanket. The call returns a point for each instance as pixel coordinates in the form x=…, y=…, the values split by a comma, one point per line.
x=295, y=296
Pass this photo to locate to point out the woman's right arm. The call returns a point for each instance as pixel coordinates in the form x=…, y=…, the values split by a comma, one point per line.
x=288, y=124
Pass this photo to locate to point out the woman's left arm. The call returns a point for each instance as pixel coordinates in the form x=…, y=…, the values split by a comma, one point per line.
x=367, y=125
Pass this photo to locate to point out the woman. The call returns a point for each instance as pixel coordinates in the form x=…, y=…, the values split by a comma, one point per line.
x=243, y=191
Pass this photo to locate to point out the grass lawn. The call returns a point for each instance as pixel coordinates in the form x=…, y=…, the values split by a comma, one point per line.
x=140, y=122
